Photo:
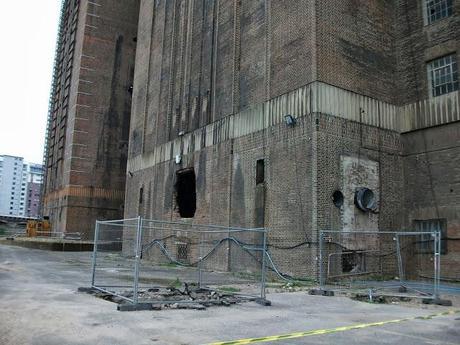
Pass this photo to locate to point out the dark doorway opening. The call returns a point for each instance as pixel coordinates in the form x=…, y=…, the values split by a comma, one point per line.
x=186, y=192
x=260, y=171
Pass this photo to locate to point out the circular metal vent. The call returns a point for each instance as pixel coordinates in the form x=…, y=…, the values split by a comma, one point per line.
x=365, y=199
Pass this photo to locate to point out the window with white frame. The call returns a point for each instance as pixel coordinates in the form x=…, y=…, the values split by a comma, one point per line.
x=443, y=75
x=438, y=9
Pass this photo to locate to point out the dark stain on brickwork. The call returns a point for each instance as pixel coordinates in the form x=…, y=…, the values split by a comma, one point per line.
x=365, y=58
x=169, y=186
x=135, y=147
x=201, y=177
x=109, y=139
x=238, y=207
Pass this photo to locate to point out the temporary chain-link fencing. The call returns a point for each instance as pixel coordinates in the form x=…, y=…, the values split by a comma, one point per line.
x=133, y=257
x=405, y=264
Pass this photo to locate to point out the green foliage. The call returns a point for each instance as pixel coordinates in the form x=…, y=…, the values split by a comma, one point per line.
x=175, y=283
x=229, y=289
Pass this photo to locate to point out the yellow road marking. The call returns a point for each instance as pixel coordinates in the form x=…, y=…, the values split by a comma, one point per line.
x=330, y=330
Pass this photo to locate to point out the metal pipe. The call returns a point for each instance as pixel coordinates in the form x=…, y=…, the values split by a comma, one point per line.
x=113, y=293
x=223, y=227
x=376, y=232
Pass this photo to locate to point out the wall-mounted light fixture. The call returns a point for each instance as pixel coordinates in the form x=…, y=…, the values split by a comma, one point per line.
x=290, y=120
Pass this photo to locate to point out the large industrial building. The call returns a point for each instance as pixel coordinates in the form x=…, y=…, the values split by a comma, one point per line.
x=275, y=113
x=88, y=124
x=260, y=113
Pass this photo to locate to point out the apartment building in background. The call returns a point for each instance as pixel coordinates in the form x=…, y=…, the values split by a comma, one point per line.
x=34, y=188
x=13, y=186
x=20, y=186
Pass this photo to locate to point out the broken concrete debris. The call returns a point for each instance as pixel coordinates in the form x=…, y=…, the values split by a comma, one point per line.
x=173, y=298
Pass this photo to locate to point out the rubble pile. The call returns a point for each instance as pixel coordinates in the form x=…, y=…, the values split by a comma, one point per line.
x=174, y=298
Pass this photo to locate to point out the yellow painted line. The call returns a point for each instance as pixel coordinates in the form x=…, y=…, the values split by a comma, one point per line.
x=330, y=330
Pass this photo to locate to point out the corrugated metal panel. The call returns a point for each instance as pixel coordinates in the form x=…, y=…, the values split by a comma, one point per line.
x=346, y=104
x=316, y=97
x=430, y=112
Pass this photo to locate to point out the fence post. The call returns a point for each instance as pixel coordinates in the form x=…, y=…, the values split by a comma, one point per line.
x=96, y=235
x=138, y=250
x=200, y=260
x=264, y=253
x=402, y=278
x=321, y=277
x=437, y=258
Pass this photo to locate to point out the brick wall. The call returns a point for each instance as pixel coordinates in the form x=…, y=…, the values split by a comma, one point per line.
x=431, y=177
x=418, y=43
x=297, y=204
x=97, y=123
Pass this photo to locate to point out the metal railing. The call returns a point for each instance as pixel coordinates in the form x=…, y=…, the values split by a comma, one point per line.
x=135, y=256
x=405, y=264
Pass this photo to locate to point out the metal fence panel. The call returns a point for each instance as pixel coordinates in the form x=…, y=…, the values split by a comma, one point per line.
x=381, y=262
x=136, y=256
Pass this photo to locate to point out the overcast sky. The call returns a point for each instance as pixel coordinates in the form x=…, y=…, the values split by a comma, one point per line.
x=28, y=30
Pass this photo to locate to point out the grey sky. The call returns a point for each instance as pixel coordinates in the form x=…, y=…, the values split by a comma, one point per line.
x=27, y=34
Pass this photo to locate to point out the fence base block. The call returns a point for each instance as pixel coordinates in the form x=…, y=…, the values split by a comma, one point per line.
x=438, y=301
x=263, y=301
x=134, y=307
x=87, y=289
x=320, y=292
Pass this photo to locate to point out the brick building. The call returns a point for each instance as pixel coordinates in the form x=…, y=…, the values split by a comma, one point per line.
x=88, y=123
x=267, y=109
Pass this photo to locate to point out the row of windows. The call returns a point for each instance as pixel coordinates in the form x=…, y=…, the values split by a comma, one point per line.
x=442, y=72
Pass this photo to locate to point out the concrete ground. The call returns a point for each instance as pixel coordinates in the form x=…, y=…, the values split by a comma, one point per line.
x=39, y=305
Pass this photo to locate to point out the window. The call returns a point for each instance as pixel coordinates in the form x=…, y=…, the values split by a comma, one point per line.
x=438, y=9
x=186, y=192
x=425, y=244
x=443, y=75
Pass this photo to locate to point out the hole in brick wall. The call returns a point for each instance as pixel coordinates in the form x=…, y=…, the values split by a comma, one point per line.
x=337, y=198
x=351, y=262
x=186, y=192
x=260, y=171
x=141, y=195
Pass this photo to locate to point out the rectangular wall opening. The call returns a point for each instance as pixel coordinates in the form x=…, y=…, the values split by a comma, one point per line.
x=186, y=192
x=260, y=171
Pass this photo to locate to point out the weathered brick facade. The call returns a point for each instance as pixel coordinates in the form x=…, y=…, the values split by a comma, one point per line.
x=89, y=117
x=214, y=80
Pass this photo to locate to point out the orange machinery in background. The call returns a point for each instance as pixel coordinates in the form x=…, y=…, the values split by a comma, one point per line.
x=38, y=227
